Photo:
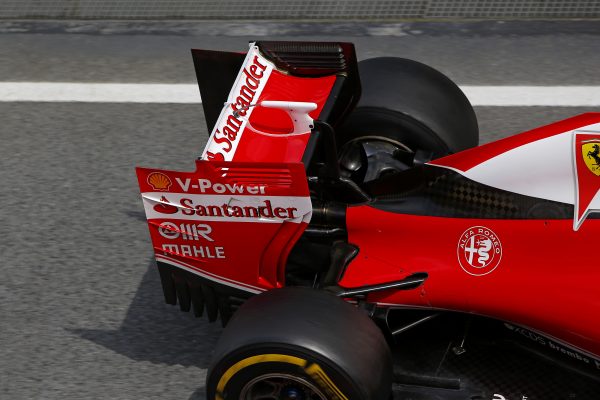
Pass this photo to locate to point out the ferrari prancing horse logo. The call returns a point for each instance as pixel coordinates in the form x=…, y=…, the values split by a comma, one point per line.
x=591, y=156
x=586, y=157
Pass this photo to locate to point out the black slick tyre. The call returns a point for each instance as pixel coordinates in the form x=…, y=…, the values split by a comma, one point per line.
x=300, y=343
x=406, y=106
x=413, y=103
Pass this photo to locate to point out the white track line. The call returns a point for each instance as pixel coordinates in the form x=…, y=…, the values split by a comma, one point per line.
x=100, y=92
x=567, y=96
x=518, y=96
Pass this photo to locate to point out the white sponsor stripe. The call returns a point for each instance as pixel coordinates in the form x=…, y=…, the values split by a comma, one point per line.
x=239, y=91
x=518, y=96
x=208, y=275
x=297, y=206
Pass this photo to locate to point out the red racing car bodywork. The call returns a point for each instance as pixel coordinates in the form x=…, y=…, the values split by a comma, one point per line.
x=536, y=273
x=505, y=230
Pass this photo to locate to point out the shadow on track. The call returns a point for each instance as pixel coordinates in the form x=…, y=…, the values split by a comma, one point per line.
x=199, y=394
x=153, y=331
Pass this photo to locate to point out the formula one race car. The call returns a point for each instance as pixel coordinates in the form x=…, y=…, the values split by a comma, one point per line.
x=358, y=245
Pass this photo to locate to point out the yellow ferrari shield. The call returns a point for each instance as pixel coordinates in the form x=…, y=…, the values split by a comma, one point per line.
x=591, y=156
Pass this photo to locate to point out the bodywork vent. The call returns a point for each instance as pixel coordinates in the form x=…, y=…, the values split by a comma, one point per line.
x=308, y=59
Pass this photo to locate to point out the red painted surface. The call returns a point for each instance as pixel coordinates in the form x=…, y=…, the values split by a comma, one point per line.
x=547, y=278
x=250, y=255
x=257, y=147
x=245, y=254
x=468, y=159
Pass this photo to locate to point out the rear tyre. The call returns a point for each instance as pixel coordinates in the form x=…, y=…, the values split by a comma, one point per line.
x=300, y=343
x=406, y=110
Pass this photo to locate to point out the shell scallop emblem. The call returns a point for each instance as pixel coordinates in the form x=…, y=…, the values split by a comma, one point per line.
x=159, y=181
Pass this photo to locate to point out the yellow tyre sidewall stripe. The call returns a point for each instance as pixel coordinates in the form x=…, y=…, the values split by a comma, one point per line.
x=313, y=370
x=317, y=373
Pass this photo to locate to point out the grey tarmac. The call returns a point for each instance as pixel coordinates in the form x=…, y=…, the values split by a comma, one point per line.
x=80, y=299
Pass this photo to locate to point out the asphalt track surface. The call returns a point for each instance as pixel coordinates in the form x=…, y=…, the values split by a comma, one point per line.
x=81, y=308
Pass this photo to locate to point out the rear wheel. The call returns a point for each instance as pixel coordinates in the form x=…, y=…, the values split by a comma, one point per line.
x=301, y=344
x=280, y=386
x=407, y=112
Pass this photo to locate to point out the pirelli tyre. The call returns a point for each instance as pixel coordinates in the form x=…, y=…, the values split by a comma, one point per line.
x=407, y=111
x=302, y=344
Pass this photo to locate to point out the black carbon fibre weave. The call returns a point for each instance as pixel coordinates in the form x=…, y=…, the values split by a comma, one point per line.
x=440, y=192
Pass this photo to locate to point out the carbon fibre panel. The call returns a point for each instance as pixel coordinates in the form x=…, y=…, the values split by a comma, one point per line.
x=493, y=363
x=440, y=192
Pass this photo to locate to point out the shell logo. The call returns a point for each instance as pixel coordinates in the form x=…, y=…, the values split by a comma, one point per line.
x=159, y=181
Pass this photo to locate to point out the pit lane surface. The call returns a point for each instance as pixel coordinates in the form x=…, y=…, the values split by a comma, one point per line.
x=82, y=313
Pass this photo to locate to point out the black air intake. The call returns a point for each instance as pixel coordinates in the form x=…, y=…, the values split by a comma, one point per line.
x=310, y=58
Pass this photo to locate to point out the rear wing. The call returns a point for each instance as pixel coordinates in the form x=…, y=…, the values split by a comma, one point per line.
x=279, y=89
x=229, y=223
x=224, y=231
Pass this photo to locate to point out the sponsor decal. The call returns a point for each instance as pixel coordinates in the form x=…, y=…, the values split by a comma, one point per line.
x=165, y=206
x=479, y=251
x=586, y=147
x=204, y=185
x=555, y=346
x=273, y=209
x=234, y=117
x=189, y=251
x=159, y=181
x=265, y=210
x=170, y=230
x=184, y=231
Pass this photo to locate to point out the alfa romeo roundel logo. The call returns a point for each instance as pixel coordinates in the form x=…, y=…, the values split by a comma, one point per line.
x=479, y=250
